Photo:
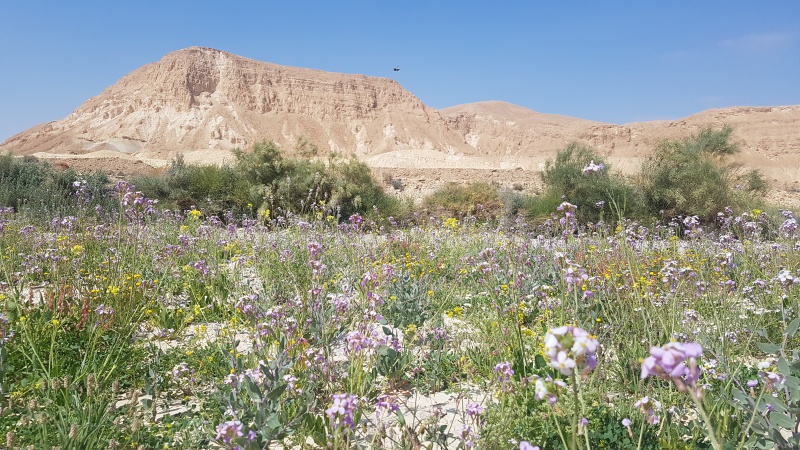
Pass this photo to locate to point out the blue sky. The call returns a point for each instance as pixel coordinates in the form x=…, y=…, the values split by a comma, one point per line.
x=611, y=61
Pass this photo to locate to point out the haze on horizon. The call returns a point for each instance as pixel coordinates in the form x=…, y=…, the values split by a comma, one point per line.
x=615, y=62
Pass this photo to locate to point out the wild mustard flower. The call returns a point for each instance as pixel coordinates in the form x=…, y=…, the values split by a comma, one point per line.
x=570, y=347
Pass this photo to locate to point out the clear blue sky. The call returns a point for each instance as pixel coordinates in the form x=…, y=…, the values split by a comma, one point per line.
x=611, y=61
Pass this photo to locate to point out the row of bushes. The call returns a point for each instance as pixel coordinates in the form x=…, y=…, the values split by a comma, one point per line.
x=265, y=182
x=33, y=185
x=684, y=177
x=689, y=177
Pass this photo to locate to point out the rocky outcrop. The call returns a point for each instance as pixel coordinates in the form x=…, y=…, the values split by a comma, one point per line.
x=769, y=137
x=206, y=100
x=203, y=103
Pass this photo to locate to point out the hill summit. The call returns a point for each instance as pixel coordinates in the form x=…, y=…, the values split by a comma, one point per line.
x=201, y=99
x=203, y=103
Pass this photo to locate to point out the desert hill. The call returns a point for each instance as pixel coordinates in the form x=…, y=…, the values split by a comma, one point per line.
x=206, y=102
x=203, y=103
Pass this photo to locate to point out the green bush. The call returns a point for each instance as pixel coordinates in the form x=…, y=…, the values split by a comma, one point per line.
x=598, y=194
x=691, y=177
x=212, y=189
x=33, y=186
x=342, y=186
x=480, y=200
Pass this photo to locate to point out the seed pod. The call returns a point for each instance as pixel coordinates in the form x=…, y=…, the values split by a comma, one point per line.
x=91, y=384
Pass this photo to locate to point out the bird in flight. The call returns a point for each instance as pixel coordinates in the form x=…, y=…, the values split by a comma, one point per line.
x=397, y=69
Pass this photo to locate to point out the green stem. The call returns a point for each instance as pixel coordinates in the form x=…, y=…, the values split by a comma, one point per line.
x=575, y=411
x=706, y=420
x=641, y=434
x=560, y=433
x=752, y=419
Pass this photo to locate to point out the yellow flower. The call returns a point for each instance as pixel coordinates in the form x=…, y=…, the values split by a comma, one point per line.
x=54, y=322
x=195, y=213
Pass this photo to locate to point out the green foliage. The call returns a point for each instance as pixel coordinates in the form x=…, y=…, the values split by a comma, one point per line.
x=408, y=302
x=691, y=177
x=598, y=196
x=27, y=184
x=343, y=186
x=211, y=189
x=480, y=200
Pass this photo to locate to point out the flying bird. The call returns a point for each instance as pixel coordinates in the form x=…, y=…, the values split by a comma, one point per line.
x=397, y=69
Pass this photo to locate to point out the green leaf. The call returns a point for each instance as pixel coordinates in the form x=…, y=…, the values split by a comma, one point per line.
x=276, y=393
x=783, y=367
x=400, y=418
x=742, y=397
x=782, y=420
x=792, y=328
x=768, y=347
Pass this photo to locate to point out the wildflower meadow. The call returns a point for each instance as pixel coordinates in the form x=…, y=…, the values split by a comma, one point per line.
x=127, y=324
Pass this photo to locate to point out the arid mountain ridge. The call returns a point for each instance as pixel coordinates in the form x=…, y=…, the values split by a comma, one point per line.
x=202, y=103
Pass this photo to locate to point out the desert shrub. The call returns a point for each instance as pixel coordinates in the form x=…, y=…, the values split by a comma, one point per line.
x=343, y=186
x=691, y=176
x=212, y=189
x=20, y=181
x=33, y=186
x=480, y=200
x=579, y=176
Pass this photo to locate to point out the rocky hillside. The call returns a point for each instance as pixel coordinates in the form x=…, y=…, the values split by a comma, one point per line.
x=208, y=101
x=769, y=137
x=202, y=103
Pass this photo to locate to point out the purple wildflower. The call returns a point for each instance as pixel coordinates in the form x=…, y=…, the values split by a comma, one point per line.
x=342, y=410
x=674, y=361
x=230, y=430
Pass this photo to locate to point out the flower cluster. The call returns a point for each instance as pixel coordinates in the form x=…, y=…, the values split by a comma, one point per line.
x=546, y=388
x=231, y=432
x=342, y=410
x=384, y=407
x=692, y=228
x=5, y=333
x=594, y=169
x=569, y=220
x=569, y=348
x=649, y=407
x=674, y=361
x=504, y=373
x=786, y=278
x=771, y=379
x=257, y=377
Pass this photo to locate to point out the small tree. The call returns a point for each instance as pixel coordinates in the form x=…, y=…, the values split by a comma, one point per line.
x=692, y=177
x=580, y=176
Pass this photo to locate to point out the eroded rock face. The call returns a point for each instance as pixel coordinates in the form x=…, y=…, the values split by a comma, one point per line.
x=769, y=137
x=203, y=103
x=201, y=99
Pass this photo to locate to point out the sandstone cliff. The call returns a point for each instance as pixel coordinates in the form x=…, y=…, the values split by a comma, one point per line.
x=205, y=100
x=769, y=137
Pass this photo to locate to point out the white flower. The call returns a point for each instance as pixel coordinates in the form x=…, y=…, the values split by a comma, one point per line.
x=563, y=363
